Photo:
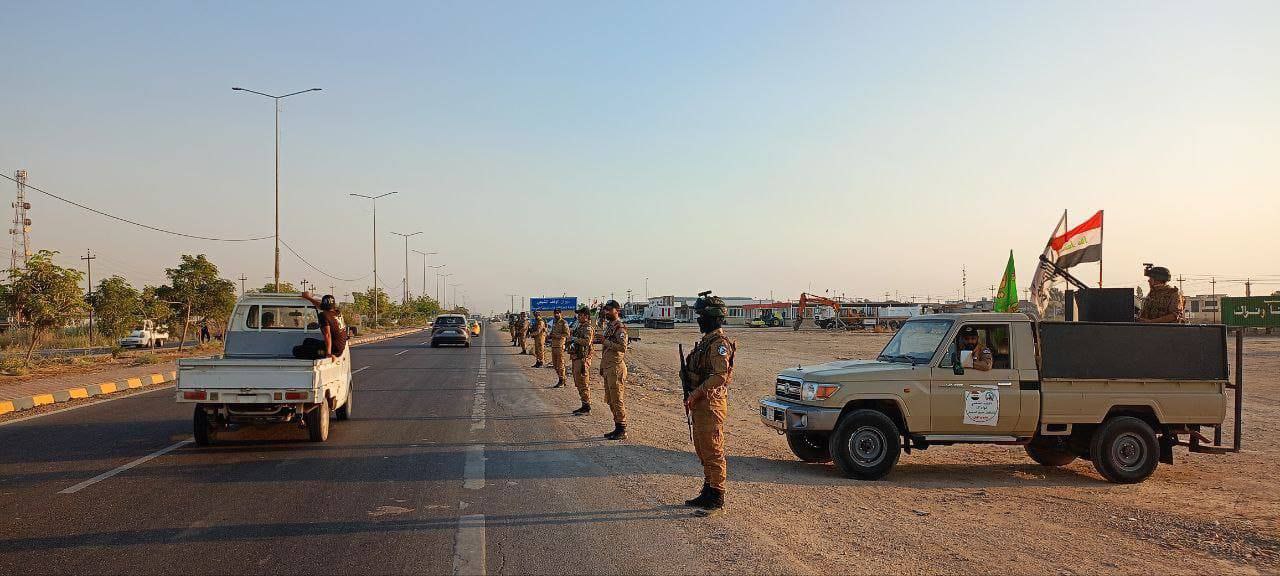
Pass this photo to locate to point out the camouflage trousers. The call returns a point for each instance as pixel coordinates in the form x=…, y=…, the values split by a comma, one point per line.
x=539, y=345
x=582, y=379
x=615, y=381
x=557, y=357
x=708, y=440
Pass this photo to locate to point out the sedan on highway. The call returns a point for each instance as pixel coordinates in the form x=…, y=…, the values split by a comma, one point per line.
x=450, y=329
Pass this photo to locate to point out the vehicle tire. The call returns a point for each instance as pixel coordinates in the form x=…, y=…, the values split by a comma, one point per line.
x=435, y=344
x=810, y=447
x=866, y=445
x=343, y=412
x=318, y=422
x=1125, y=450
x=1050, y=451
x=201, y=428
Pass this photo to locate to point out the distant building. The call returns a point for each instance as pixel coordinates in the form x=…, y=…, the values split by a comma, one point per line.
x=1203, y=308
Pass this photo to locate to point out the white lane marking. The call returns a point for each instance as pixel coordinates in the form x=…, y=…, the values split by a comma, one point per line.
x=110, y=473
x=473, y=470
x=360, y=370
x=468, y=546
x=112, y=398
x=402, y=351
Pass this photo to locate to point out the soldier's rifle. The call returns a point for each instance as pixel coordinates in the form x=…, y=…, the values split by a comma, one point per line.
x=687, y=386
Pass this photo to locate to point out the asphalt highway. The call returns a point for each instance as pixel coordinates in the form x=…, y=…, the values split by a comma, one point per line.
x=452, y=463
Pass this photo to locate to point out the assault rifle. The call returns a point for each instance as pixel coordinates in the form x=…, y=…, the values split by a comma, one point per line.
x=687, y=385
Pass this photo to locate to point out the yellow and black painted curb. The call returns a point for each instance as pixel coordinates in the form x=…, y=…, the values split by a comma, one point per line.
x=101, y=389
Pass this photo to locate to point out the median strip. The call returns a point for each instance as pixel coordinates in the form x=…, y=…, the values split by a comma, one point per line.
x=83, y=392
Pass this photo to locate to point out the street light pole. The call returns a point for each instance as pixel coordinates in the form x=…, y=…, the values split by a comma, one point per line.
x=405, y=298
x=375, y=250
x=455, y=294
x=277, y=100
x=424, y=268
x=437, y=284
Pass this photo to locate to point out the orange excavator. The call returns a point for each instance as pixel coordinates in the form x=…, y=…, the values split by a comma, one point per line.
x=848, y=320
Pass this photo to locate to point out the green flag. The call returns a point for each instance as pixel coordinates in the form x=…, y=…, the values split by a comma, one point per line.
x=1007, y=297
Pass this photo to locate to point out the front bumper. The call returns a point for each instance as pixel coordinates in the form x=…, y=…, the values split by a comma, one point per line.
x=787, y=416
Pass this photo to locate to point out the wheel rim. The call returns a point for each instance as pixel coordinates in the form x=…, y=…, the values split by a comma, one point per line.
x=867, y=446
x=1128, y=452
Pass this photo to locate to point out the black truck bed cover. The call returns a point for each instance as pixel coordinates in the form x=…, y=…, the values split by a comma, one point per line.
x=1109, y=350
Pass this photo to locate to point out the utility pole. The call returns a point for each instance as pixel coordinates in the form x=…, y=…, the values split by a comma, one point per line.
x=88, y=262
x=993, y=292
x=513, y=303
x=405, y=298
x=424, y=269
x=375, y=249
x=964, y=284
x=1248, y=287
x=1180, y=285
x=437, y=281
x=277, y=100
x=242, y=279
x=646, y=288
x=1213, y=291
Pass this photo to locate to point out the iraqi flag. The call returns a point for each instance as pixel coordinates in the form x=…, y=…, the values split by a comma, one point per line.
x=1080, y=244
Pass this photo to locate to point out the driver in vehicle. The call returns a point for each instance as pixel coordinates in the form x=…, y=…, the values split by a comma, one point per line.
x=979, y=357
x=335, y=336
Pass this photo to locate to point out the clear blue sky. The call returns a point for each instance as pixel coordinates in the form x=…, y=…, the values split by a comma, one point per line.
x=751, y=148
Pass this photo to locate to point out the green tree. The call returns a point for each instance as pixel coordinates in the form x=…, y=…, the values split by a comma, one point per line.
x=195, y=285
x=285, y=288
x=153, y=307
x=44, y=295
x=421, y=308
x=116, y=305
x=363, y=305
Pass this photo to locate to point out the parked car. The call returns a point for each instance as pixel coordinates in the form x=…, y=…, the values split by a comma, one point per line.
x=145, y=336
x=257, y=379
x=450, y=329
x=633, y=319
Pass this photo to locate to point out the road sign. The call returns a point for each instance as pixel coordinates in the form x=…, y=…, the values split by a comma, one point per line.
x=549, y=304
x=1252, y=311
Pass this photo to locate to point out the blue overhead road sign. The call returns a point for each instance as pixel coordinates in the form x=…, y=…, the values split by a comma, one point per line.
x=548, y=304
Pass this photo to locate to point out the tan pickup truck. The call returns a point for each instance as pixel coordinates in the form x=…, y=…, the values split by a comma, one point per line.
x=1118, y=394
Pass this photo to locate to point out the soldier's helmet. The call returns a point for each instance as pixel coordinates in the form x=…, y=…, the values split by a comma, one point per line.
x=710, y=306
x=584, y=309
x=1158, y=273
x=612, y=304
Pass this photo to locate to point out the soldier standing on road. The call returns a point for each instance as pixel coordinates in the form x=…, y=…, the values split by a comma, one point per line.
x=1163, y=304
x=580, y=352
x=538, y=333
x=710, y=371
x=511, y=328
x=613, y=367
x=559, y=332
x=522, y=324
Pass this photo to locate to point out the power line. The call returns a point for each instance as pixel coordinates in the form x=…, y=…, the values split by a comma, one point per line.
x=135, y=223
x=313, y=267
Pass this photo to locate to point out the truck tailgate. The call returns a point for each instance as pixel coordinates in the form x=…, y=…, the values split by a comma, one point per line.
x=256, y=374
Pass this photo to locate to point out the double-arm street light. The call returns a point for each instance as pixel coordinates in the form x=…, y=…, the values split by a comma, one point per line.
x=424, y=268
x=441, y=280
x=375, y=249
x=455, y=294
x=437, y=282
x=405, y=298
x=277, y=100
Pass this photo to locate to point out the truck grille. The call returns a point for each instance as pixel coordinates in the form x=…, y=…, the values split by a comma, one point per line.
x=788, y=388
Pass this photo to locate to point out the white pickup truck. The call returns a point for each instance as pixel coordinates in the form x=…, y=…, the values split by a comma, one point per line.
x=145, y=336
x=257, y=379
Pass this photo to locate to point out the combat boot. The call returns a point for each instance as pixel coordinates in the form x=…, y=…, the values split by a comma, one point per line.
x=584, y=410
x=537, y=364
x=710, y=499
x=559, y=384
x=702, y=495
x=619, y=432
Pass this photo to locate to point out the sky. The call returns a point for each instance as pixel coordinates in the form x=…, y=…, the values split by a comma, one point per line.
x=757, y=149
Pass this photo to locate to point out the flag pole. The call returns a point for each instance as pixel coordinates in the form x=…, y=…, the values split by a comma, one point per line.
x=1101, y=229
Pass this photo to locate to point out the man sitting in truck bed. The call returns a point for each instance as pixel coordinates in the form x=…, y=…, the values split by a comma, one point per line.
x=335, y=335
x=978, y=353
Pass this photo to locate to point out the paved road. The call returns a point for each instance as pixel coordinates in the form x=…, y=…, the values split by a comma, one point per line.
x=452, y=464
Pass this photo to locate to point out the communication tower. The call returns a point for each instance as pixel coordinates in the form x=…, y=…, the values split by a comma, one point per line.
x=21, y=231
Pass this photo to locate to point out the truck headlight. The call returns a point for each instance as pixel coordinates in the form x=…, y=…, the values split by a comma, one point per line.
x=819, y=391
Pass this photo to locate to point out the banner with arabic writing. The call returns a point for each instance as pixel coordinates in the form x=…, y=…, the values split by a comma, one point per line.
x=1253, y=311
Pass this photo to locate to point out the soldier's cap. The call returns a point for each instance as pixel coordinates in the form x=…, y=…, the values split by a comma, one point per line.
x=1158, y=273
x=709, y=306
x=584, y=309
x=612, y=304
x=968, y=331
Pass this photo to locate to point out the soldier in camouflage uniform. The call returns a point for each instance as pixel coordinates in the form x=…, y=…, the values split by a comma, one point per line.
x=511, y=328
x=580, y=352
x=538, y=333
x=559, y=333
x=613, y=368
x=522, y=326
x=1163, y=304
x=709, y=370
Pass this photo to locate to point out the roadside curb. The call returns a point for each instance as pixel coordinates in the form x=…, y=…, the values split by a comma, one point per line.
x=80, y=392
x=105, y=388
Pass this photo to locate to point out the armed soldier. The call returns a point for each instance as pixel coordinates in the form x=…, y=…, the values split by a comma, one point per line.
x=708, y=375
x=580, y=352
x=511, y=328
x=522, y=325
x=1163, y=304
x=559, y=333
x=537, y=333
x=613, y=368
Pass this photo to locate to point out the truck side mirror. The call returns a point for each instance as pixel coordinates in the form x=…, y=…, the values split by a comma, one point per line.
x=956, y=367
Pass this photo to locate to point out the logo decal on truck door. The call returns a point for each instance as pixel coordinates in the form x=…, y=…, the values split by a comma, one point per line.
x=982, y=407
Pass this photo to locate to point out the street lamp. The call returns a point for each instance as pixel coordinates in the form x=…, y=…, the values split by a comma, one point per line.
x=424, y=268
x=437, y=283
x=375, y=249
x=405, y=298
x=455, y=294
x=441, y=280
x=277, y=100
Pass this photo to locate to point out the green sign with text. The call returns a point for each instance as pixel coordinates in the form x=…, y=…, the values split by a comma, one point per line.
x=1252, y=312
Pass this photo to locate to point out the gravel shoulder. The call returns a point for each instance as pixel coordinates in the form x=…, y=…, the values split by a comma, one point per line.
x=983, y=509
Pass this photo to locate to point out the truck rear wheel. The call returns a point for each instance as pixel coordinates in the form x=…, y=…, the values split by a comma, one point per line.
x=810, y=447
x=1125, y=450
x=866, y=445
x=318, y=422
x=1050, y=451
x=201, y=428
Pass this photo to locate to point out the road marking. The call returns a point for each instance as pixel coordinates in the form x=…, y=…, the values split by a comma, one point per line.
x=360, y=370
x=402, y=351
x=468, y=546
x=110, y=473
x=473, y=470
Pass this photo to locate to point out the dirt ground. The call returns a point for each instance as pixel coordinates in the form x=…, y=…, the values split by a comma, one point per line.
x=959, y=509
